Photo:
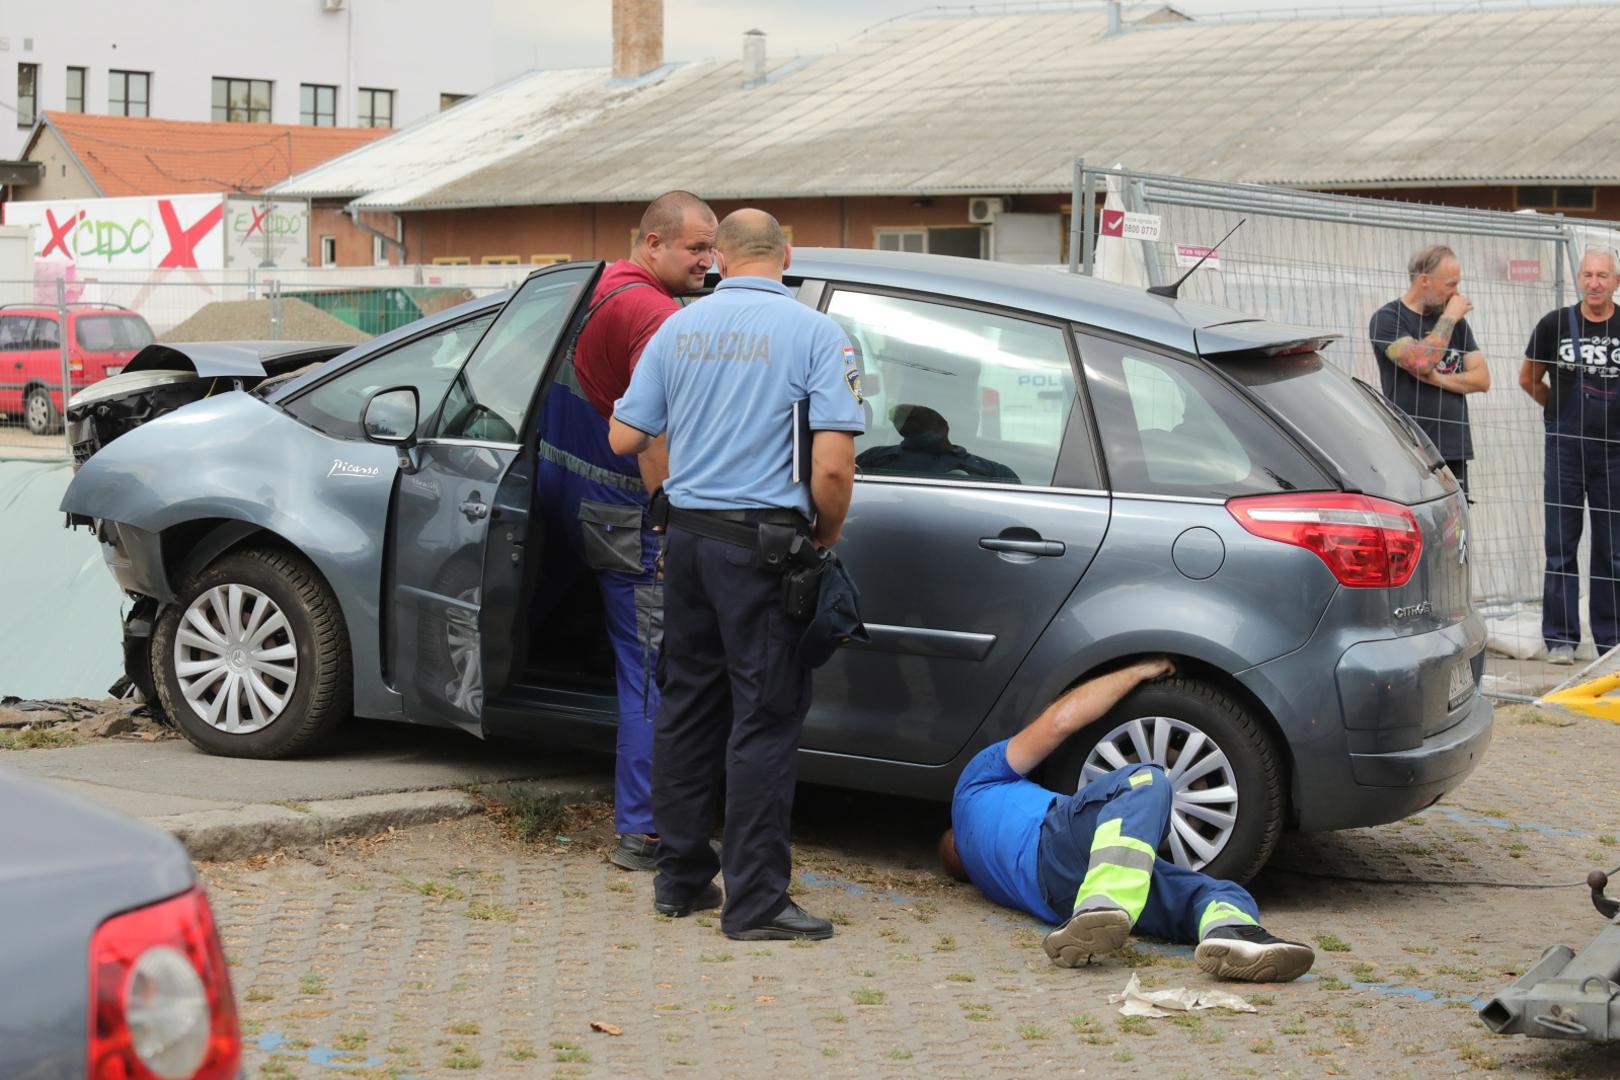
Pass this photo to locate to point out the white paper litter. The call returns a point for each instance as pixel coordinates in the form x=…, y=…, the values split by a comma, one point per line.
x=1157, y=1003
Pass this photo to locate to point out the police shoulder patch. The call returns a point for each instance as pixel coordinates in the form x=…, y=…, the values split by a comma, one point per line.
x=852, y=373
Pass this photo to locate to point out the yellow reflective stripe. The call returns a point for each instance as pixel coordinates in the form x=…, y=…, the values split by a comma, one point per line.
x=1126, y=886
x=1141, y=779
x=1219, y=912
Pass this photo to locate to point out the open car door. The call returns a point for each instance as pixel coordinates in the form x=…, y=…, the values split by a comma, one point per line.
x=462, y=511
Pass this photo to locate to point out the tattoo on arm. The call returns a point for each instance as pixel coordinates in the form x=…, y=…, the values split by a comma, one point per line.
x=1419, y=356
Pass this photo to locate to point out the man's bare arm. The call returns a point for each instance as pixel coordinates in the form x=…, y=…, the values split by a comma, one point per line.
x=1532, y=380
x=625, y=439
x=832, y=480
x=1474, y=378
x=1083, y=705
x=1418, y=356
x=654, y=463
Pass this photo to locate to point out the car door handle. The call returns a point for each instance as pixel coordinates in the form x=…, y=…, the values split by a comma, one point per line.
x=475, y=511
x=1047, y=548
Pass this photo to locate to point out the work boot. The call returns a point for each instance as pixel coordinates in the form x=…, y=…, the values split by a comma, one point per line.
x=635, y=852
x=1251, y=954
x=1095, y=932
x=708, y=897
x=792, y=923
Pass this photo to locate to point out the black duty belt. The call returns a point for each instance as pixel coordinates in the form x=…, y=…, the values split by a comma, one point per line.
x=740, y=527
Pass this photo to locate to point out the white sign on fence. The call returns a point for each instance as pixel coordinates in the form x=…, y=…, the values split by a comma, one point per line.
x=1187, y=255
x=164, y=232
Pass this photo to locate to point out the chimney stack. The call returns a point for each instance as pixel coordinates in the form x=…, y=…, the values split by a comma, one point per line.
x=753, y=58
x=638, y=37
x=1113, y=17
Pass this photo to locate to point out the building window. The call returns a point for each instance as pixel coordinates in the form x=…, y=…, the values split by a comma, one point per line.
x=27, y=94
x=452, y=260
x=129, y=93
x=901, y=239
x=241, y=101
x=447, y=100
x=501, y=260
x=317, y=105
x=376, y=108
x=75, y=89
x=967, y=242
x=1549, y=197
x=549, y=258
x=328, y=251
x=379, y=251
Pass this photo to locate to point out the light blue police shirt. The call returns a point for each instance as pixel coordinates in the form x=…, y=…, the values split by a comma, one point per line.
x=722, y=376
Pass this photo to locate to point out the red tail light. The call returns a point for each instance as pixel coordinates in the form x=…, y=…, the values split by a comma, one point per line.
x=160, y=996
x=1368, y=543
x=76, y=364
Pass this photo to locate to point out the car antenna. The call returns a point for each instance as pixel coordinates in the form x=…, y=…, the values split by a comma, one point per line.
x=1172, y=289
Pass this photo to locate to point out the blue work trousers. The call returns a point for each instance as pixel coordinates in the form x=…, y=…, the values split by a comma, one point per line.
x=1581, y=471
x=595, y=498
x=1177, y=898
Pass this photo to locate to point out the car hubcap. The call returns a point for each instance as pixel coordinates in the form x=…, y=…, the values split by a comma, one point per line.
x=235, y=659
x=1206, y=804
x=39, y=412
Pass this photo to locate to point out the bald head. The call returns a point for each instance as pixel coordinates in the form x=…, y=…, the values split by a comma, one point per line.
x=751, y=243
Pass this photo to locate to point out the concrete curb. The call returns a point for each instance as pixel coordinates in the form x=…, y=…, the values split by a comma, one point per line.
x=244, y=831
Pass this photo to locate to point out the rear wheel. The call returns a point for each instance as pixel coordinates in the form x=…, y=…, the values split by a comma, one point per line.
x=253, y=658
x=1227, y=775
x=40, y=413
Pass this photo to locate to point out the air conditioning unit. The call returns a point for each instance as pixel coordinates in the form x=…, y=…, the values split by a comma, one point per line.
x=982, y=210
x=331, y=5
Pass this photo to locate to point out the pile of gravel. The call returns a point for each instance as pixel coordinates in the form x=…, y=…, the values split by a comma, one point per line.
x=249, y=320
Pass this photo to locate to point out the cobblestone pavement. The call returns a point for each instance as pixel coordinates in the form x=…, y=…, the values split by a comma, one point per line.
x=458, y=950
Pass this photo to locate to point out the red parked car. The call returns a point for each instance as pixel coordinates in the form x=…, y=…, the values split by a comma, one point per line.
x=101, y=339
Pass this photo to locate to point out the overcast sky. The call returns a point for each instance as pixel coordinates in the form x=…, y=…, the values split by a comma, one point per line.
x=699, y=29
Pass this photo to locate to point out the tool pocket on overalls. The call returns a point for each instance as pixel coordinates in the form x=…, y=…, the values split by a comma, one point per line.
x=611, y=535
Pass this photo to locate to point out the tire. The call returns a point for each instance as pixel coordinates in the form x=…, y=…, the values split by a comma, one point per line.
x=302, y=664
x=40, y=414
x=1236, y=749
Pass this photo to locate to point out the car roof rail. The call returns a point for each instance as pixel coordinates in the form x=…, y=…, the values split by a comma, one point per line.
x=71, y=303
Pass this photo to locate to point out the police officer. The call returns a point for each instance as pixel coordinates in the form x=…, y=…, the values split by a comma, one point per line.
x=1579, y=348
x=598, y=499
x=725, y=378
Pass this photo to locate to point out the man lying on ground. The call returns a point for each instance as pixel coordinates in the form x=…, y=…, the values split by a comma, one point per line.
x=1093, y=854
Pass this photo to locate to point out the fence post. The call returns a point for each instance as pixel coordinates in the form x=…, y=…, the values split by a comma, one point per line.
x=1567, y=243
x=275, y=309
x=1074, y=216
x=67, y=377
x=1136, y=202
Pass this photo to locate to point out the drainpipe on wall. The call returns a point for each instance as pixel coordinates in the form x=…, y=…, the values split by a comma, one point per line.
x=388, y=241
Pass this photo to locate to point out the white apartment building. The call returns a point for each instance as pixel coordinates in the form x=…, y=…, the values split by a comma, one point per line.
x=361, y=63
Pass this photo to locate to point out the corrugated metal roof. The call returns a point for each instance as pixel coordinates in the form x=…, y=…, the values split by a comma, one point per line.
x=1002, y=103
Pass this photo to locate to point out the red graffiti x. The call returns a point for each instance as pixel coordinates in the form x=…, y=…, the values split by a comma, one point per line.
x=60, y=232
x=258, y=221
x=183, y=242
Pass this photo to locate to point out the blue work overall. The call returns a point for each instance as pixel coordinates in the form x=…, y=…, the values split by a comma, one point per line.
x=1581, y=470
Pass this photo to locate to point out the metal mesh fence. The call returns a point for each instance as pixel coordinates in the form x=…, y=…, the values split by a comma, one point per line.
x=1330, y=262
x=60, y=335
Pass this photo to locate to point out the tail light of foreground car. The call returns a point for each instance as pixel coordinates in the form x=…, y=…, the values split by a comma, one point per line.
x=160, y=996
x=1368, y=543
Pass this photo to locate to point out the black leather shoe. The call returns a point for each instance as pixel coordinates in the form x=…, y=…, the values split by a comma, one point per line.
x=635, y=852
x=792, y=923
x=709, y=897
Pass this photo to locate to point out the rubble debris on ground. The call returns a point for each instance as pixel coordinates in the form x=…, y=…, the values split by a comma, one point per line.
x=31, y=724
x=249, y=320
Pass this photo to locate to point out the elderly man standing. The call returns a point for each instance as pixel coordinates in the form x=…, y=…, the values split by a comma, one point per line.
x=1572, y=369
x=1427, y=358
x=598, y=499
x=727, y=378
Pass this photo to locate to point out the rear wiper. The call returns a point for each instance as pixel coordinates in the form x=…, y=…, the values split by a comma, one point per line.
x=1406, y=424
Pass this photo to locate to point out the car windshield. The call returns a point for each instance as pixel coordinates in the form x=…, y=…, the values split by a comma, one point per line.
x=112, y=333
x=1374, y=450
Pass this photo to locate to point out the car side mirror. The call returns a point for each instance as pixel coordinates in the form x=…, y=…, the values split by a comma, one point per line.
x=390, y=417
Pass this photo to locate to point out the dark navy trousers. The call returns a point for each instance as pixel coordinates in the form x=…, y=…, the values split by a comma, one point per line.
x=735, y=694
x=1581, y=471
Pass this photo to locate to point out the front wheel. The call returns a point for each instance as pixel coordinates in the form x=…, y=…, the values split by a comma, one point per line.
x=253, y=658
x=1228, y=778
x=40, y=413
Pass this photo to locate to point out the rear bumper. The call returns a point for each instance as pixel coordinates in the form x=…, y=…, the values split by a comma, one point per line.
x=1444, y=758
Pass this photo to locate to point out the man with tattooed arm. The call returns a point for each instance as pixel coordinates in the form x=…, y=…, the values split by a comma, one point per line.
x=1427, y=358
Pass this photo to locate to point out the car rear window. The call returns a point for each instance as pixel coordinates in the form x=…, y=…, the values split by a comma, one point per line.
x=1171, y=427
x=1348, y=422
x=110, y=333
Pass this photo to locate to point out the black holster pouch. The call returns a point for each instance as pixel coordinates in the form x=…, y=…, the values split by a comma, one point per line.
x=774, y=546
x=801, y=585
x=658, y=510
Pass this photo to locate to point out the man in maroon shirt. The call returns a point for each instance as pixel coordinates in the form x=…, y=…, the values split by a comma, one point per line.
x=598, y=499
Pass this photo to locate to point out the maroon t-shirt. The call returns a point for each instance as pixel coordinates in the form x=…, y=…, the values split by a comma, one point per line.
x=611, y=343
